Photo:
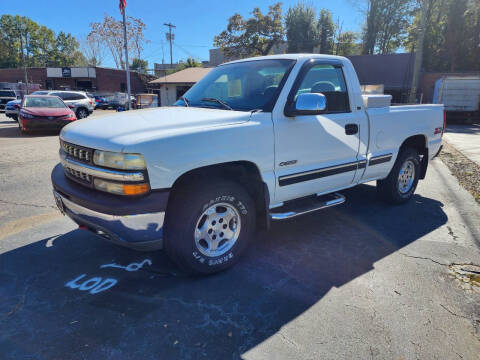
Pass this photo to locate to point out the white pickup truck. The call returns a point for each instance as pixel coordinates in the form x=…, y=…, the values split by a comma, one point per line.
x=256, y=140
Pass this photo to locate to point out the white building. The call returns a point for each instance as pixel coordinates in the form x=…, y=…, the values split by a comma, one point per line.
x=175, y=85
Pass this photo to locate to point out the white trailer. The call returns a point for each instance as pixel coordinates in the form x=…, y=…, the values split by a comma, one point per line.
x=460, y=96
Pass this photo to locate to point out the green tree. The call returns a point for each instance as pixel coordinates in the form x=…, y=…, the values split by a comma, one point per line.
x=182, y=65
x=346, y=44
x=386, y=25
x=41, y=47
x=139, y=65
x=254, y=36
x=301, y=28
x=451, y=36
x=66, y=51
x=326, y=32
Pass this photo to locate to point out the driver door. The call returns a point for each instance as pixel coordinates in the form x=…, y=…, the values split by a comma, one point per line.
x=316, y=153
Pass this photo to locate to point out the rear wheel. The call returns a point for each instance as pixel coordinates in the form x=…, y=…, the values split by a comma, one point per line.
x=402, y=181
x=82, y=113
x=208, y=227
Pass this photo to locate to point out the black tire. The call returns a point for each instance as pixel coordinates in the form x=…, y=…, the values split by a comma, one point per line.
x=22, y=131
x=185, y=211
x=389, y=189
x=82, y=113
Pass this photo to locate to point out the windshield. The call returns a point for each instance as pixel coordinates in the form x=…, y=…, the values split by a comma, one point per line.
x=43, y=102
x=7, y=93
x=242, y=86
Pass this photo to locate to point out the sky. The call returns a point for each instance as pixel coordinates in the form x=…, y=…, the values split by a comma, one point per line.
x=197, y=21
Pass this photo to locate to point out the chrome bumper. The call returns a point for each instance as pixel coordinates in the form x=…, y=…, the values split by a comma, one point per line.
x=140, y=232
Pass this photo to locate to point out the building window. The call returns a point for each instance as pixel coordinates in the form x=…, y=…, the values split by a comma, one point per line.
x=84, y=85
x=122, y=87
x=49, y=85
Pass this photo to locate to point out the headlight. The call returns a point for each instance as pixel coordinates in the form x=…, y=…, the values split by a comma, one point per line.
x=68, y=117
x=120, y=188
x=120, y=161
x=26, y=115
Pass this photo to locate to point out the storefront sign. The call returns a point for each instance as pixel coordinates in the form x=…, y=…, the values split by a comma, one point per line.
x=66, y=72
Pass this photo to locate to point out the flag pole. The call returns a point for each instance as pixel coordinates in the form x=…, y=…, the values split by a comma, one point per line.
x=127, y=69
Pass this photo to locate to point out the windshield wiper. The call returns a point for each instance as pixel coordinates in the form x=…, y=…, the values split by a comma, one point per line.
x=185, y=100
x=221, y=102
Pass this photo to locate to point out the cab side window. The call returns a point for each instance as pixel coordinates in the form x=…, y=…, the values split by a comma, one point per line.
x=329, y=81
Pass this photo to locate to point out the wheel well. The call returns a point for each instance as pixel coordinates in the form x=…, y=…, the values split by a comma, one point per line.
x=244, y=173
x=419, y=143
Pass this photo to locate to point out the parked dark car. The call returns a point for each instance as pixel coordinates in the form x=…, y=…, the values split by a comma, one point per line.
x=102, y=102
x=44, y=112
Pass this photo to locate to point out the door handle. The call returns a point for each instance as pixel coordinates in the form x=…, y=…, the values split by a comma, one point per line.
x=351, y=129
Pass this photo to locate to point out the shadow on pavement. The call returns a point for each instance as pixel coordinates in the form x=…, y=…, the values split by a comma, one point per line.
x=464, y=129
x=156, y=313
x=14, y=132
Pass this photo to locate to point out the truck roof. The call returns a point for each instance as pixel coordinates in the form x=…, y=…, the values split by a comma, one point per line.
x=291, y=57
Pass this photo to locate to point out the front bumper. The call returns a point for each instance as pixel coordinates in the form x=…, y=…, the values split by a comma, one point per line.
x=11, y=112
x=42, y=124
x=132, y=222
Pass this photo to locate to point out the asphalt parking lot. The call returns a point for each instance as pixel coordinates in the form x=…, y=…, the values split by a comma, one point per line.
x=364, y=280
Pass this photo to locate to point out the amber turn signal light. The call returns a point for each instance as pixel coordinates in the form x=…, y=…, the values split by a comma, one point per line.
x=135, y=189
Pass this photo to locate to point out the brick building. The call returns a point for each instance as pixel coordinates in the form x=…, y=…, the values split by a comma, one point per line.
x=93, y=79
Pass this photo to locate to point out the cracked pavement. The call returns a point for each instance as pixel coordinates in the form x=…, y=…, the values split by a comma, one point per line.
x=364, y=280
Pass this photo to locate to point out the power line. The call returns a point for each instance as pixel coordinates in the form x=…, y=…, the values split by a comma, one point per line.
x=185, y=51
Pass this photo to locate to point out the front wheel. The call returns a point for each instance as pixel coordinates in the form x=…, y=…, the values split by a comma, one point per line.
x=23, y=131
x=402, y=181
x=208, y=227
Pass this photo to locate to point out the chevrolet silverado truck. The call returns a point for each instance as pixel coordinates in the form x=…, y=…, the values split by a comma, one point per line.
x=256, y=140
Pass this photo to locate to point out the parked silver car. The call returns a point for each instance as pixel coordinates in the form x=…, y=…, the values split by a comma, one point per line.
x=83, y=104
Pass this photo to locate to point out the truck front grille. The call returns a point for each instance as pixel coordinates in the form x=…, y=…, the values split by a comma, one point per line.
x=77, y=152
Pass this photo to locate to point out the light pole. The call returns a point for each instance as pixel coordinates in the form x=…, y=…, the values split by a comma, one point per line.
x=126, y=58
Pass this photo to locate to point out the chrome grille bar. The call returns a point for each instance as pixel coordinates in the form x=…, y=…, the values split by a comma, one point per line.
x=77, y=152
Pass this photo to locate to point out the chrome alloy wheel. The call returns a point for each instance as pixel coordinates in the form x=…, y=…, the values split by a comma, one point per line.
x=82, y=114
x=217, y=229
x=406, y=177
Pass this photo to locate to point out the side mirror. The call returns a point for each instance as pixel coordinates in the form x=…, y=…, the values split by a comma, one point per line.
x=71, y=106
x=310, y=104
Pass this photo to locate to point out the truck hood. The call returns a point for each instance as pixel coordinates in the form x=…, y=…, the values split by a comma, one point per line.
x=115, y=132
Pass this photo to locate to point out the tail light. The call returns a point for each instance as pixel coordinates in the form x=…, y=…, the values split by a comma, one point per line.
x=441, y=130
x=90, y=101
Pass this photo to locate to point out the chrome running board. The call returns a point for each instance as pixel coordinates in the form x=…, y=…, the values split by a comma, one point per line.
x=306, y=205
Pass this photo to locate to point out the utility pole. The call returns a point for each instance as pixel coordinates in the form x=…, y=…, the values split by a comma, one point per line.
x=23, y=27
x=419, y=53
x=170, y=38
